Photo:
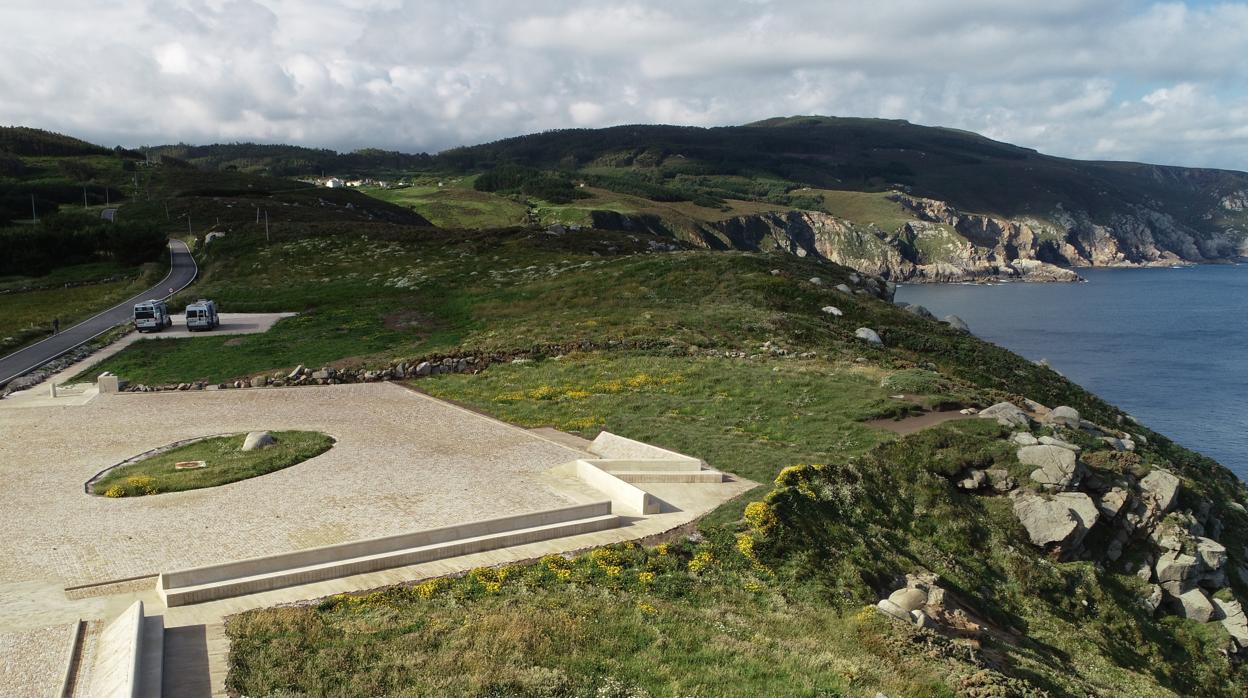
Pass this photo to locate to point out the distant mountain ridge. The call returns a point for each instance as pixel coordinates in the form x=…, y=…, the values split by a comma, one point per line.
x=945, y=204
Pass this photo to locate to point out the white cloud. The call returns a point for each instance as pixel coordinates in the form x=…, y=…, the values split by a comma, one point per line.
x=1105, y=79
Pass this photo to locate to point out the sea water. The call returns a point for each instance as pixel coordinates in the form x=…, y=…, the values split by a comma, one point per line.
x=1168, y=345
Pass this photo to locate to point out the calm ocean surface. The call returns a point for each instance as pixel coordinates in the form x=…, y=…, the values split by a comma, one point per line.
x=1169, y=346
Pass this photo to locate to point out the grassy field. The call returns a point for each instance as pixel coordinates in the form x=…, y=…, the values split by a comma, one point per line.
x=225, y=460
x=456, y=206
x=748, y=417
x=26, y=315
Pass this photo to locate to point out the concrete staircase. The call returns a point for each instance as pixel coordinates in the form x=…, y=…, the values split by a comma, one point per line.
x=623, y=464
x=251, y=576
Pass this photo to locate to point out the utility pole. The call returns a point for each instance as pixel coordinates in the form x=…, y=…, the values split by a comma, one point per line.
x=84, y=197
x=257, y=215
x=167, y=211
x=188, y=224
x=266, y=226
x=106, y=203
x=34, y=213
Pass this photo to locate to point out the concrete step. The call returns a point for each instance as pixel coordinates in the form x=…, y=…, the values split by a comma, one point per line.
x=703, y=476
x=316, y=565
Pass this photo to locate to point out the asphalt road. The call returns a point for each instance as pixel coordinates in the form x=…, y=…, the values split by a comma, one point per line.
x=182, y=272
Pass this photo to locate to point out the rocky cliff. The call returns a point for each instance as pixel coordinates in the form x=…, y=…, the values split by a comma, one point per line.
x=942, y=244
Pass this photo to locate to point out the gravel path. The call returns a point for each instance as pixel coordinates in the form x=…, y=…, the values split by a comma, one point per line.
x=32, y=663
x=403, y=462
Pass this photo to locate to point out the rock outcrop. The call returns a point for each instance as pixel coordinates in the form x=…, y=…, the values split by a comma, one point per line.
x=942, y=243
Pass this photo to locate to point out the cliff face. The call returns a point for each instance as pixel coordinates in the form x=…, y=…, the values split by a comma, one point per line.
x=942, y=244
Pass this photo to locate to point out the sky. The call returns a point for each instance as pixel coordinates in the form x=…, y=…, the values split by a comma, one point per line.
x=1101, y=79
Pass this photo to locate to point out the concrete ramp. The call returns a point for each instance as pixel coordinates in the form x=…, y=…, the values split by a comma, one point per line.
x=129, y=656
x=221, y=581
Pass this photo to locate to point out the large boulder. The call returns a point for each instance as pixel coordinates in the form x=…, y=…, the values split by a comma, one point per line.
x=869, y=336
x=920, y=311
x=257, y=440
x=957, y=323
x=1161, y=489
x=1007, y=414
x=1062, y=519
x=1212, y=554
x=1176, y=571
x=1063, y=417
x=1113, y=501
x=909, y=599
x=1055, y=467
x=1195, y=604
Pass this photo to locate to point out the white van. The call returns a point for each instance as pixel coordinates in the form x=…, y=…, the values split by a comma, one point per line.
x=152, y=316
x=202, y=315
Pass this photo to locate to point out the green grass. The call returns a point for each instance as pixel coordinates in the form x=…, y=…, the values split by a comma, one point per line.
x=455, y=206
x=592, y=635
x=26, y=316
x=865, y=208
x=226, y=463
x=747, y=417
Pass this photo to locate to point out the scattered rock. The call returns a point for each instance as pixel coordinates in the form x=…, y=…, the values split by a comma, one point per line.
x=1233, y=620
x=1023, y=438
x=972, y=480
x=1055, y=466
x=295, y=373
x=1119, y=444
x=844, y=289
x=832, y=310
x=1113, y=501
x=1001, y=480
x=957, y=323
x=1007, y=414
x=1054, y=441
x=816, y=281
x=869, y=336
x=1161, y=487
x=889, y=608
x=1153, y=601
x=1063, y=417
x=1211, y=553
x=257, y=440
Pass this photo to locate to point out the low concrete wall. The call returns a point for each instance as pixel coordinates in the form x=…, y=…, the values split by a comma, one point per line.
x=612, y=465
x=641, y=477
x=628, y=496
x=359, y=557
x=117, y=654
x=608, y=445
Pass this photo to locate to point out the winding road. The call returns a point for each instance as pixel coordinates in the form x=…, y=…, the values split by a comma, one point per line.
x=182, y=272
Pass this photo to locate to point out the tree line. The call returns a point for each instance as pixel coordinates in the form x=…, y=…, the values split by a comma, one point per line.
x=75, y=238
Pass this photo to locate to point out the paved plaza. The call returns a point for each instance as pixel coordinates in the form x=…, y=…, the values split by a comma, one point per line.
x=402, y=461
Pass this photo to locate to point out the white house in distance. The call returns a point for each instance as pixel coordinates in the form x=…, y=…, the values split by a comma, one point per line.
x=333, y=183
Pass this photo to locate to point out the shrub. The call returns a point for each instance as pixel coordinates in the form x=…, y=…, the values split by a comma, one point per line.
x=915, y=381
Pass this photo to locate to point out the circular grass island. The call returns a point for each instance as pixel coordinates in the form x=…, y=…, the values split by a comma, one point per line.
x=206, y=462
